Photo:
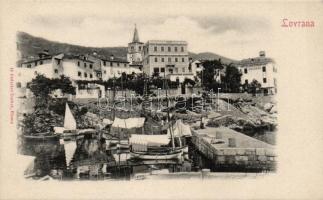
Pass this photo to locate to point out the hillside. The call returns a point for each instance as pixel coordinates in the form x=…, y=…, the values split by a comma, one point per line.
x=211, y=56
x=30, y=46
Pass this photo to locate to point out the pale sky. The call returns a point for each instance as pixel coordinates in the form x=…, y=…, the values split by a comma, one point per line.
x=236, y=32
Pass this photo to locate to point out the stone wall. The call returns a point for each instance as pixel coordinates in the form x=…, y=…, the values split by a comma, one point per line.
x=252, y=158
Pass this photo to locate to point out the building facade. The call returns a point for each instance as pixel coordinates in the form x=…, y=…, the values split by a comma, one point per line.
x=167, y=58
x=114, y=67
x=262, y=69
x=74, y=67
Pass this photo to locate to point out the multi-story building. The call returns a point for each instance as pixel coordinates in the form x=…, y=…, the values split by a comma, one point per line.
x=262, y=69
x=167, y=58
x=113, y=68
x=74, y=67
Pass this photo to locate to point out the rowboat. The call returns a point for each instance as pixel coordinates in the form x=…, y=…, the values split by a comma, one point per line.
x=156, y=155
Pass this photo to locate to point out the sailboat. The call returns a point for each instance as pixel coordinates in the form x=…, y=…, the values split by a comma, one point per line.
x=69, y=129
x=158, y=151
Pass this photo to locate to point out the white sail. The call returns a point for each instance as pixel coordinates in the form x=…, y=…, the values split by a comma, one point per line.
x=70, y=148
x=69, y=120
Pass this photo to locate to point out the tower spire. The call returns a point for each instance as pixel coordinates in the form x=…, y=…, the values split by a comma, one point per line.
x=135, y=35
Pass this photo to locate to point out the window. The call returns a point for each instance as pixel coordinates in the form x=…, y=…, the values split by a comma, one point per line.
x=175, y=49
x=56, y=71
x=190, y=68
x=91, y=76
x=169, y=59
x=264, y=80
x=18, y=84
x=91, y=66
x=111, y=64
x=162, y=48
x=118, y=64
x=41, y=62
x=162, y=59
x=29, y=66
x=155, y=48
x=183, y=69
x=156, y=59
x=104, y=63
x=176, y=70
x=183, y=59
x=139, y=48
x=85, y=75
x=176, y=59
x=275, y=82
x=264, y=68
x=84, y=65
x=79, y=74
x=169, y=49
x=182, y=49
x=58, y=62
x=78, y=63
x=36, y=63
x=156, y=70
x=245, y=70
x=246, y=81
x=125, y=65
x=104, y=72
x=132, y=48
x=162, y=69
x=170, y=71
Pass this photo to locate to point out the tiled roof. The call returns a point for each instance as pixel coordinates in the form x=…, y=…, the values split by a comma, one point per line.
x=256, y=61
x=114, y=60
x=37, y=59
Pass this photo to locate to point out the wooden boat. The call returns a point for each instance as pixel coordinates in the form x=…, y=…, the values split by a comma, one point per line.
x=157, y=155
x=41, y=137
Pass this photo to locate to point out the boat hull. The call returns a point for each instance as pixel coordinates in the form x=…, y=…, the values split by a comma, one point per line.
x=156, y=156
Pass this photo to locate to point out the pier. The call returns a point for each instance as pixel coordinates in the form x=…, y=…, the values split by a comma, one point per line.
x=229, y=149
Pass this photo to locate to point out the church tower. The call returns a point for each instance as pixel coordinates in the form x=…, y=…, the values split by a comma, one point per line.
x=135, y=49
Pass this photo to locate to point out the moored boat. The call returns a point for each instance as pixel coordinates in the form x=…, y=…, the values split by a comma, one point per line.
x=157, y=155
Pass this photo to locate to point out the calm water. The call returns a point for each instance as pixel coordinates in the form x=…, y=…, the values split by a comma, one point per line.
x=88, y=158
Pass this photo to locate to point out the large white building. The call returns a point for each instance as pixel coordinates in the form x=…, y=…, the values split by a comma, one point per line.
x=167, y=58
x=74, y=67
x=262, y=69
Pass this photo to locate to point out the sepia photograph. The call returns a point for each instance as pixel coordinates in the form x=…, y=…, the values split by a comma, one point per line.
x=143, y=91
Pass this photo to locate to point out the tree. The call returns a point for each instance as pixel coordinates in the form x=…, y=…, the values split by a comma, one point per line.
x=63, y=83
x=208, y=73
x=254, y=87
x=155, y=74
x=232, y=79
x=189, y=81
x=40, y=86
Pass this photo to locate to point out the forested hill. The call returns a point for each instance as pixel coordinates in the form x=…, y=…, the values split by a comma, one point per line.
x=30, y=46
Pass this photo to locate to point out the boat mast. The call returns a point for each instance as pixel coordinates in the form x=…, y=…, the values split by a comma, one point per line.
x=168, y=116
x=113, y=98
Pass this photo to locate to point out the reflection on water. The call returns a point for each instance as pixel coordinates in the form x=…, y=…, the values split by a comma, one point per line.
x=89, y=158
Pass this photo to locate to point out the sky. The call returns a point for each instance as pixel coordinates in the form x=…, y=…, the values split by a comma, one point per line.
x=230, y=29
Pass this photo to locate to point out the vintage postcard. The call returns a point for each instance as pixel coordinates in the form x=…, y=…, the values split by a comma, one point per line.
x=161, y=100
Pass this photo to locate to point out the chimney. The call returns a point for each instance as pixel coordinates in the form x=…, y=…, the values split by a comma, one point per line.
x=111, y=57
x=262, y=53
